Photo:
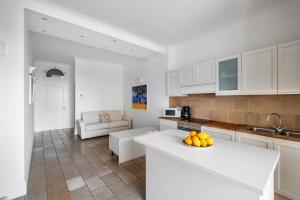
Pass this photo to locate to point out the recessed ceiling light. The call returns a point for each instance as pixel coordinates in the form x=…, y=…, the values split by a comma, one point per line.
x=44, y=31
x=45, y=18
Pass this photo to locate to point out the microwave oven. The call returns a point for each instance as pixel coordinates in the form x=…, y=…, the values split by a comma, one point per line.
x=172, y=112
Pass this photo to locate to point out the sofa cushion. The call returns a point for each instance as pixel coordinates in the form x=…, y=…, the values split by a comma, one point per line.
x=90, y=117
x=96, y=126
x=114, y=124
x=115, y=115
x=104, y=117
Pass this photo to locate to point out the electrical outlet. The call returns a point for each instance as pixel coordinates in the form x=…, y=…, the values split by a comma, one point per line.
x=2, y=48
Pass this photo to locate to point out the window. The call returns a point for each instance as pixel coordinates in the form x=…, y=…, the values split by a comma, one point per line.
x=55, y=73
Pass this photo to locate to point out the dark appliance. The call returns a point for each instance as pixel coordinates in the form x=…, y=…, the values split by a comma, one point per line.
x=186, y=113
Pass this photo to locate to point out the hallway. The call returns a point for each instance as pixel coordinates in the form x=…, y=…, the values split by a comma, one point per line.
x=65, y=167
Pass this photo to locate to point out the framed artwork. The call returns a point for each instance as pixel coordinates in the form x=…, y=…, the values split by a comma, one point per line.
x=139, y=97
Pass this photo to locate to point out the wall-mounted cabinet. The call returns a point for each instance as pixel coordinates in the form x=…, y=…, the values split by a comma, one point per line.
x=259, y=71
x=289, y=68
x=173, y=84
x=197, y=79
x=229, y=75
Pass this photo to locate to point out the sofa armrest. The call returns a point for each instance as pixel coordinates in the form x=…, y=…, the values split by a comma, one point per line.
x=81, y=127
x=129, y=119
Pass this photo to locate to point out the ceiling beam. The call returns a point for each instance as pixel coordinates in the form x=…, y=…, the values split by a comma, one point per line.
x=79, y=19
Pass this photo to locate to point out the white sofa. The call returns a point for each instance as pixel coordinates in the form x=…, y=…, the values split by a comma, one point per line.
x=90, y=126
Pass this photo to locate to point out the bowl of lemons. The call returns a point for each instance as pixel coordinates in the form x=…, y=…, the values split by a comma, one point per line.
x=201, y=139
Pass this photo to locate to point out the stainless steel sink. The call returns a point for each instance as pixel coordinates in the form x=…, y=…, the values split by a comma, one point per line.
x=259, y=129
x=292, y=134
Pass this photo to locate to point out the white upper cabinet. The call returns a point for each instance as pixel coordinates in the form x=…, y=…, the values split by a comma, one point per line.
x=186, y=77
x=198, y=79
x=259, y=71
x=228, y=75
x=289, y=68
x=204, y=73
x=172, y=84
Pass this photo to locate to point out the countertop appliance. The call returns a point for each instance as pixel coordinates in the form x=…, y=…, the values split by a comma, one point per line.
x=186, y=113
x=172, y=112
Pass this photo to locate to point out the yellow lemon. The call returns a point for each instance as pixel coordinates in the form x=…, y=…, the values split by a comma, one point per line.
x=202, y=135
x=193, y=133
x=188, y=140
x=210, y=141
x=203, y=143
x=197, y=143
x=195, y=140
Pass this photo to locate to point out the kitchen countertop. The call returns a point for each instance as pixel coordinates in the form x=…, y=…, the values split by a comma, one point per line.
x=229, y=126
x=236, y=163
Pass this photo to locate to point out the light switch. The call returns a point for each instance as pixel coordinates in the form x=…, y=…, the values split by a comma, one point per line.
x=2, y=48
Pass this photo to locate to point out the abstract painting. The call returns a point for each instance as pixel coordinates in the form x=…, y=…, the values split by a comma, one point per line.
x=139, y=97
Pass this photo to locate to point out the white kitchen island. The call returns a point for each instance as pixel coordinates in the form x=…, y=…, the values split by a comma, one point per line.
x=225, y=171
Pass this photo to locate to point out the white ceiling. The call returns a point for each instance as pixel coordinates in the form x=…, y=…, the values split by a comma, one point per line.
x=51, y=26
x=168, y=21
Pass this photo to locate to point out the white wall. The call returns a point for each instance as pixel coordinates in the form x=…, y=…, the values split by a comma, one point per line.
x=39, y=116
x=275, y=25
x=154, y=74
x=28, y=108
x=98, y=86
x=12, y=177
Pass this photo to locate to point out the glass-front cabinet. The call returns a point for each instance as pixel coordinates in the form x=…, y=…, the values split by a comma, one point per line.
x=229, y=75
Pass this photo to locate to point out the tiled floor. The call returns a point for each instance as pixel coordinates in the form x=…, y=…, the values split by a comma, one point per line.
x=65, y=167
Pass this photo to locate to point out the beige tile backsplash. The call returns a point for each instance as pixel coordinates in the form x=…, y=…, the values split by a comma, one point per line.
x=251, y=110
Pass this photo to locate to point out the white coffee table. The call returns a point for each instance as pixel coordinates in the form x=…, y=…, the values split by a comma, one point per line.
x=122, y=144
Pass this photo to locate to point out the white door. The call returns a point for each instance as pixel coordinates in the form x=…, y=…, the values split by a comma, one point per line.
x=259, y=71
x=289, y=68
x=186, y=77
x=205, y=73
x=255, y=140
x=54, y=105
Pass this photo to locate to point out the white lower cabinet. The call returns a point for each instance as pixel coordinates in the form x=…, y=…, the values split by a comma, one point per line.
x=219, y=133
x=255, y=140
x=287, y=174
x=165, y=124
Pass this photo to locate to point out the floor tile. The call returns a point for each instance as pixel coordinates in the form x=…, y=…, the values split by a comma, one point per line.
x=94, y=183
x=104, y=170
x=102, y=193
x=81, y=194
x=110, y=179
x=127, y=176
x=75, y=183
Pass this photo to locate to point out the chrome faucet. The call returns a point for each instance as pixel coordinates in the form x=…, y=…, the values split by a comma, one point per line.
x=278, y=129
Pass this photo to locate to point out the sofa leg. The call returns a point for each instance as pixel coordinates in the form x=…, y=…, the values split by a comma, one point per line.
x=112, y=153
